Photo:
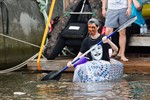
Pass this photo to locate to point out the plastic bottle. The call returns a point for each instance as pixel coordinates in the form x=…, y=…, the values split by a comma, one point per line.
x=145, y=28
x=142, y=29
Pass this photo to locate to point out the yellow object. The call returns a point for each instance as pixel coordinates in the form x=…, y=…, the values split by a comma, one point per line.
x=45, y=33
x=146, y=10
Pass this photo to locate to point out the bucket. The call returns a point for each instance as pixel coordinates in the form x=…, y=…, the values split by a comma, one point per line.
x=146, y=10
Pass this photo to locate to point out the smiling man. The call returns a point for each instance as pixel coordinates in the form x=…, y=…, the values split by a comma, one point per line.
x=101, y=52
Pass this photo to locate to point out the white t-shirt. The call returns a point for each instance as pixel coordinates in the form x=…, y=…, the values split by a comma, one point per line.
x=117, y=4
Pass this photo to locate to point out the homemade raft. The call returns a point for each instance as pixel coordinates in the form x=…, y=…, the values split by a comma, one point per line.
x=98, y=71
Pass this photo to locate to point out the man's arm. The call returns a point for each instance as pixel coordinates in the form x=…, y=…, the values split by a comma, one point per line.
x=128, y=13
x=137, y=5
x=112, y=45
x=129, y=3
x=104, y=2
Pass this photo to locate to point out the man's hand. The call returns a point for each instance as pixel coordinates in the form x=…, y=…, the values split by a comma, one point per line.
x=69, y=64
x=105, y=39
x=128, y=12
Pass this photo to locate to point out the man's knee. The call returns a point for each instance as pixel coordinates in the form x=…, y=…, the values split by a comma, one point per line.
x=109, y=31
x=122, y=32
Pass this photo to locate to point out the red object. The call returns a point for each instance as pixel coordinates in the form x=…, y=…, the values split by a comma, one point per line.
x=53, y=23
x=103, y=30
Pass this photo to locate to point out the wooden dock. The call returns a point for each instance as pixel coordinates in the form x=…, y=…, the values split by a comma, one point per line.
x=140, y=40
x=134, y=65
x=137, y=63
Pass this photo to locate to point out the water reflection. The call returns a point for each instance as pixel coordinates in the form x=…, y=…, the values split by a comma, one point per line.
x=27, y=86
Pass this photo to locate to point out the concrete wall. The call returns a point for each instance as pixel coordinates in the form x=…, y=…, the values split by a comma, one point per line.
x=25, y=23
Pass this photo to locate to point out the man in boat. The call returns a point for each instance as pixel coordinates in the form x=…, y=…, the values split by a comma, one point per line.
x=98, y=67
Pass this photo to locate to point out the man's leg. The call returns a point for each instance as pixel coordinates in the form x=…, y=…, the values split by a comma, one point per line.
x=122, y=44
x=108, y=30
x=122, y=34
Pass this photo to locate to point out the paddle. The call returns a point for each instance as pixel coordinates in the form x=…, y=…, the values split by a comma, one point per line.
x=56, y=75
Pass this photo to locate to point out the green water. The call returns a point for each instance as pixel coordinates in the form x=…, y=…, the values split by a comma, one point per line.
x=25, y=85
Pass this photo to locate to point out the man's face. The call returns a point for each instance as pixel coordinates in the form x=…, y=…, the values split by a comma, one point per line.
x=92, y=28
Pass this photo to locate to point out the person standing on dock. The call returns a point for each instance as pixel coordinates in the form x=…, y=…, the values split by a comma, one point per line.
x=138, y=27
x=118, y=12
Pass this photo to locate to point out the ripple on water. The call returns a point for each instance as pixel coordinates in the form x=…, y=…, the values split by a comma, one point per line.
x=129, y=87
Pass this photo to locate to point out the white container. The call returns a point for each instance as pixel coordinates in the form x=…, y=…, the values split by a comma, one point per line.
x=145, y=29
x=142, y=29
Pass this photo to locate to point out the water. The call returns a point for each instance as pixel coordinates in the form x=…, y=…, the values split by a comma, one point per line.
x=25, y=85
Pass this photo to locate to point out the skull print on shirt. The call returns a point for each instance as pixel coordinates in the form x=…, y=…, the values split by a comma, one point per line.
x=97, y=53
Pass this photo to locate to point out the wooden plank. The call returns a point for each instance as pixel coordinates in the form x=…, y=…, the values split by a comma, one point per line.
x=137, y=65
x=140, y=40
x=49, y=65
x=134, y=65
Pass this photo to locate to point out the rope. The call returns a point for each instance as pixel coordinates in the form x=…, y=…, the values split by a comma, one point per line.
x=43, y=8
x=18, y=66
x=19, y=40
x=42, y=4
x=23, y=63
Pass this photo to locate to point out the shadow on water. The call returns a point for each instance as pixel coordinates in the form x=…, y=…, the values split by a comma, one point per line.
x=25, y=85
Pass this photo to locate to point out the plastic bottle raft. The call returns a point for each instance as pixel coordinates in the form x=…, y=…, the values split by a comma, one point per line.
x=97, y=71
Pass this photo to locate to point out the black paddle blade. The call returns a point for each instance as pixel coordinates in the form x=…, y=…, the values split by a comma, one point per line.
x=52, y=76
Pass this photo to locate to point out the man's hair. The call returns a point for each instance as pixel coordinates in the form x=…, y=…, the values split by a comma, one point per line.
x=93, y=20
